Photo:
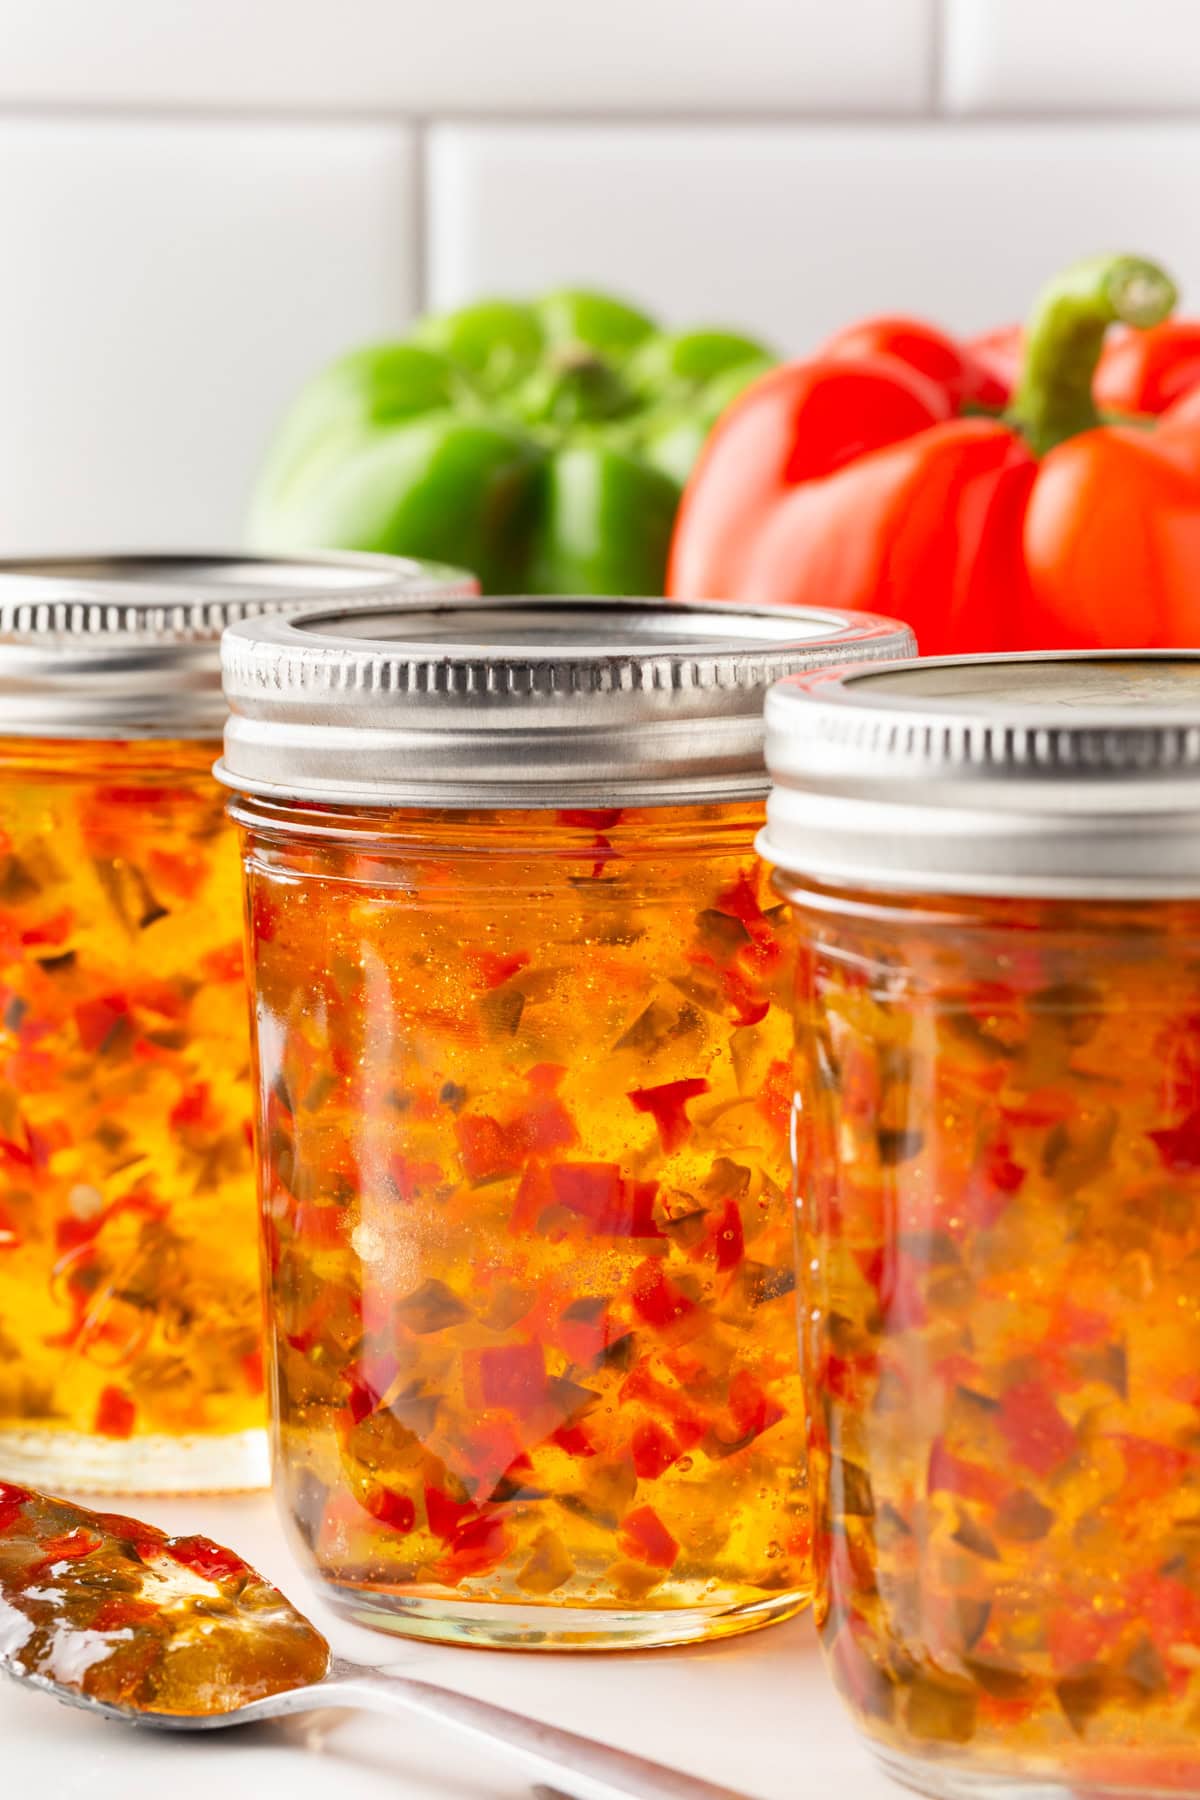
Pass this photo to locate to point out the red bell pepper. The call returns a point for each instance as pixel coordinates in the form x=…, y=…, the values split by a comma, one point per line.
x=893, y=472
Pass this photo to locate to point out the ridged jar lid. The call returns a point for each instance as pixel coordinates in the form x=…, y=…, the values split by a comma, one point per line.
x=521, y=702
x=1046, y=774
x=126, y=646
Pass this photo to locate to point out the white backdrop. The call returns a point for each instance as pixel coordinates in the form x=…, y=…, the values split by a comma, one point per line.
x=202, y=200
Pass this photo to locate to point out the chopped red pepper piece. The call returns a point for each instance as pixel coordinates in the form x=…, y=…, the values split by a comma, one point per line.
x=478, y=1546
x=70, y=1547
x=1000, y=1171
x=319, y=1227
x=447, y=1516
x=1152, y=1470
x=753, y=1413
x=656, y=1299
x=182, y=875
x=508, y=1375
x=1179, y=1145
x=545, y=1124
x=776, y=1095
x=264, y=918
x=145, y=1540
x=18, y=1155
x=612, y=1206
x=486, y=1148
x=1168, y=1605
x=574, y=1440
x=642, y=1385
x=594, y=1190
x=653, y=1450
x=951, y=1474
x=411, y=1178
x=365, y=1392
x=494, y=968
x=585, y=1329
x=194, y=1107
x=728, y=1237
x=1037, y=1435
x=211, y=1560
x=898, y=1281
x=253, y=1373
x=96, y=1020
x=115, y=1413
x=12, y=1500
x=546, y=1078
x=51, y=932
x=397, y=1511
x=603, y=854
x=534, y=1195
x=226, y=964
x=597, y=819
x=741, y=899
x=749, y=1006
x=644, y=1537
x=667, y=1105
x=1072, y=1324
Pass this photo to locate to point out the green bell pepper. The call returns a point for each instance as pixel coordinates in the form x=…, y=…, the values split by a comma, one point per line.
x=544, y=447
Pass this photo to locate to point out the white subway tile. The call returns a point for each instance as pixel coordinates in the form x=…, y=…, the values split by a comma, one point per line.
x=792, y=231
x=544, y=56
x=164, y=291
x=1072, y=55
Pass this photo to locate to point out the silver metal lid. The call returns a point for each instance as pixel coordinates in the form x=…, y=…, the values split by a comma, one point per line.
x=126, y=646
x=1073, y=774
x=521, y=702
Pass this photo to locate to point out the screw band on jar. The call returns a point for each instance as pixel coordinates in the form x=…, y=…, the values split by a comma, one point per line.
x=1051, y=773
x=125, y=646
x=577, y=701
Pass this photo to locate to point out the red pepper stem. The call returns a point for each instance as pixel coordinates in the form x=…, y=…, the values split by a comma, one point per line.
x=1065, y=336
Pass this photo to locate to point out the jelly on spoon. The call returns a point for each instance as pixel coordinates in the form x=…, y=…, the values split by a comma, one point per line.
x=111, y=1614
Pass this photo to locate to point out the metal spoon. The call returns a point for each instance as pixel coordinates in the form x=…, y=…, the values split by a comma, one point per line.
x=596, y=1772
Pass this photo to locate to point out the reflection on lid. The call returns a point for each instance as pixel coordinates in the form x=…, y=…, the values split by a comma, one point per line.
x=1152, y=681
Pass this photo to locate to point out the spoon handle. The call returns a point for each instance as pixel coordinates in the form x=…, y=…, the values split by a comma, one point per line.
x=596, y=1771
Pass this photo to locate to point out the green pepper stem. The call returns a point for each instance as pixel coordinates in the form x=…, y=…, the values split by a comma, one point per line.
x=1065, y=336
x=576, y=385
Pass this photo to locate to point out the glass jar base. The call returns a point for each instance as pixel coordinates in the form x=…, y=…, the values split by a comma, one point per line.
x=945, y=1782
x=80, y=1464
x=503, y=1626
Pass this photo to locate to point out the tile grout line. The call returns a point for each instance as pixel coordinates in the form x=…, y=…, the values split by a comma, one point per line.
x=421, y=211
x=937, y=59
x=199, y=115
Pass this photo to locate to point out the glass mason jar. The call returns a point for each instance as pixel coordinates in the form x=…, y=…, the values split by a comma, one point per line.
x=994, y=867
x=523, y=1085
x=130, y=1313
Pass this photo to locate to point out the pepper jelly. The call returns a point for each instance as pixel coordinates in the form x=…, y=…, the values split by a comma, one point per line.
x=130, y=1318
x=994, y=866
x=523, y=1091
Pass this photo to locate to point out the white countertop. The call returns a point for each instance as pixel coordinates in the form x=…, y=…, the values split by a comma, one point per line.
x=756, y=1713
